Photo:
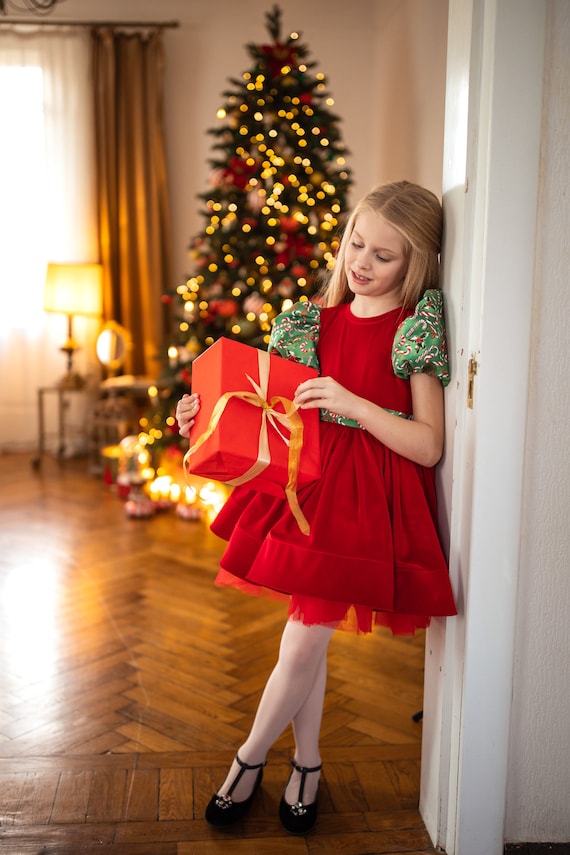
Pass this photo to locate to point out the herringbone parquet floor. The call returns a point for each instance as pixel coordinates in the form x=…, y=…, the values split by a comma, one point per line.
x=127, y=680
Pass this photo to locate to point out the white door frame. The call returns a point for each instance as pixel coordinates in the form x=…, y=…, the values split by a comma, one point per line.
x=491, y=169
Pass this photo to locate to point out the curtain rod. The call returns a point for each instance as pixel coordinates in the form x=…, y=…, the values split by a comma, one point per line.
x=62, y=22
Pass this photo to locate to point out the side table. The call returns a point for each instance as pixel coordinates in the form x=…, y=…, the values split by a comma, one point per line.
x=115, y=413
x=65, y=429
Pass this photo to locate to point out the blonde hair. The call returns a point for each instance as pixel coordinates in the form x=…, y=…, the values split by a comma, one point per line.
x=417, y=216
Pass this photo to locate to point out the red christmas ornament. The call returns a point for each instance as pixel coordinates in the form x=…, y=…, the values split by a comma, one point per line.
x=298, y=270
x=296, y=246
x=224, y=308
x=289, y=225
x=238, y=172
x=277, y=56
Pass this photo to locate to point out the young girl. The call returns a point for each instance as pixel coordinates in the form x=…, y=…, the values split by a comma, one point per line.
x=373, y=555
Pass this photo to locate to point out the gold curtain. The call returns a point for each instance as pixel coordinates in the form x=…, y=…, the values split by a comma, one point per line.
x=134, y=212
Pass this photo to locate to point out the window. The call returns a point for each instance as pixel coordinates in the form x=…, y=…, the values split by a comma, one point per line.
x=47, y=209
x=23, y=208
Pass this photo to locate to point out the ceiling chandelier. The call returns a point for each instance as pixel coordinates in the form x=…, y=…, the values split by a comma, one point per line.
x=40, y=7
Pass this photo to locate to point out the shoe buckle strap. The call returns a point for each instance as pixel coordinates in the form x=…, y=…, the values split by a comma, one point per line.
x=244, y=767
x=298, y=808
x=306, y=770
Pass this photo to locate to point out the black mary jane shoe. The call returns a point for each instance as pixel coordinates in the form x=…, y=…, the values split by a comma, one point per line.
x=299, y=818
x=222, y=810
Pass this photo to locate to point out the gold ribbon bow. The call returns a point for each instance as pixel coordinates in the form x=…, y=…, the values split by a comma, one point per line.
x=290, y=418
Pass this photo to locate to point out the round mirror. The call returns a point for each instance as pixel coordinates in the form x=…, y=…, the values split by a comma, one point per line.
x=112, y=344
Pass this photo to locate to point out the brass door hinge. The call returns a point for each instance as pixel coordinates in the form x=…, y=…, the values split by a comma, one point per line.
x=472, y=368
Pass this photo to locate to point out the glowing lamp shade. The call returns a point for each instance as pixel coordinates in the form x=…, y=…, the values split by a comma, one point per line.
x=73, y=289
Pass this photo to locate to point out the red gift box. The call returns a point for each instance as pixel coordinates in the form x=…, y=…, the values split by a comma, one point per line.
x=247, y=429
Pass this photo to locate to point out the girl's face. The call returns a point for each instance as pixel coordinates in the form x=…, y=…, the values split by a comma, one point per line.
x=375, y=261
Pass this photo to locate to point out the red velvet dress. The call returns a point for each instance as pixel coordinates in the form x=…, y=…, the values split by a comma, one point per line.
x=373, y=555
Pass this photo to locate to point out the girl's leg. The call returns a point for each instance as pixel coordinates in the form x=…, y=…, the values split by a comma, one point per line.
x=307, y=729
x=298, y=678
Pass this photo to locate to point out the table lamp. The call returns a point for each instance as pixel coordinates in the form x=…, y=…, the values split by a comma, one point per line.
x=73, y=289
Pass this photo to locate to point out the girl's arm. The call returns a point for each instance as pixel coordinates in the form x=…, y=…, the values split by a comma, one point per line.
x=420, y=439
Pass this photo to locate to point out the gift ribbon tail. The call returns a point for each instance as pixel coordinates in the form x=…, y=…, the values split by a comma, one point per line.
x=295, y=446
x=295, y=508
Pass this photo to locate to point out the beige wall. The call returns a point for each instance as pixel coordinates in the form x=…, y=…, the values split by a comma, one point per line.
x=384, y=60
x=409, y=83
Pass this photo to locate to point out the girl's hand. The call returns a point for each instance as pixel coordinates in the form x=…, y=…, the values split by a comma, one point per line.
x=419, y=439
x=327, y=393
x=186, y=411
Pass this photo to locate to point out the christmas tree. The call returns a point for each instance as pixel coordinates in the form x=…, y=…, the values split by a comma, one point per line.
x=279, y=183
x=278, y=188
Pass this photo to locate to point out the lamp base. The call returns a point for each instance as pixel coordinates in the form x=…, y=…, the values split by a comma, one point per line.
x=72, y=381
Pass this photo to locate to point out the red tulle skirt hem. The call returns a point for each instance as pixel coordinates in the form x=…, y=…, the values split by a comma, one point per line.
x=346, y=617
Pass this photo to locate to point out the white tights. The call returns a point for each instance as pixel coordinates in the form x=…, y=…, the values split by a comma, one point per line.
x=294, y=693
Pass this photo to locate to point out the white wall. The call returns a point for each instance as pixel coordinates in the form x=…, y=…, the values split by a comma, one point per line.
x=538, y=803
x=492, y=153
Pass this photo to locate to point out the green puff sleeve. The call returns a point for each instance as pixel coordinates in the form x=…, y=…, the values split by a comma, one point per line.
x=420, y=341
x=295, y=334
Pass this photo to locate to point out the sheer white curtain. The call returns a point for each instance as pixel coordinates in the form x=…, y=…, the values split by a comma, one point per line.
x=47, y=212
